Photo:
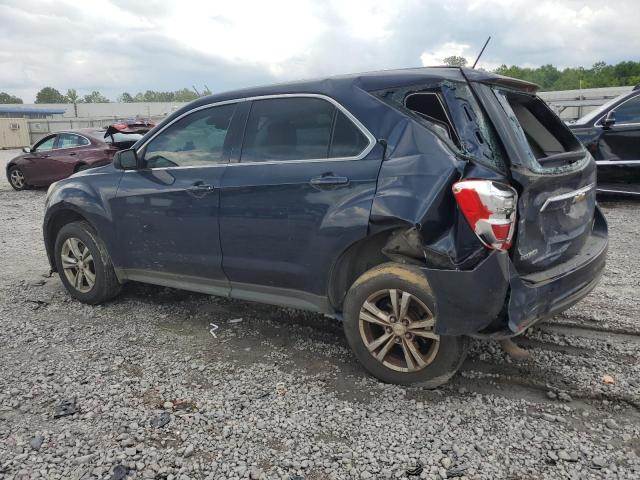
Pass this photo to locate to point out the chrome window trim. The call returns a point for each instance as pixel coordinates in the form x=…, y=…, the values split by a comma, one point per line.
x=242, y=164
x=620, y=192
x=565, y=196
x=617, y=162
x=335, y=103
x=598, y=124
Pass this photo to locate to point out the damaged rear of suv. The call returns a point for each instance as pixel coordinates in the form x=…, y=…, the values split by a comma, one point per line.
x=420, y=206
x=506, y=235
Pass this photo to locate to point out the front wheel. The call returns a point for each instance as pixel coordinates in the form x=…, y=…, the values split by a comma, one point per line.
x=84, y=265
x=17, y=178
x=389, y=319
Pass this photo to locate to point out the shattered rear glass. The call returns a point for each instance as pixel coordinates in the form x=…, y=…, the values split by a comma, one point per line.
x=478, y=140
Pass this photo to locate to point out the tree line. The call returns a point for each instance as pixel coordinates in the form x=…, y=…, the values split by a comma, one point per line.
x=551, y=78
x=548, y=77
x=52, y=95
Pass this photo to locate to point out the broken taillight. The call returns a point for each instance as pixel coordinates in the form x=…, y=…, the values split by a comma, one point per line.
x=490, y=209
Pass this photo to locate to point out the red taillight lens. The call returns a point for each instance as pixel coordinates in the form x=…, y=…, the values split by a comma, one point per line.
x=490, y=209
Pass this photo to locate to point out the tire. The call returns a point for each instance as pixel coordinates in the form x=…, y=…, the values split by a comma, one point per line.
x=71, y=242
x=80, y=167
x=440, y=356
x=17, y=179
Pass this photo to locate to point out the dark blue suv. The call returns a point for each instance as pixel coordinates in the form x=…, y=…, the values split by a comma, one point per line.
x=420, y=206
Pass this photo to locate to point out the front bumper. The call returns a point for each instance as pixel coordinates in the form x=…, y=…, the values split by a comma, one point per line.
x=494, y=294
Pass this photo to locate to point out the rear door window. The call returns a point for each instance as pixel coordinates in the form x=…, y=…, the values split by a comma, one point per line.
x=347, y=140
x=288, y=129
x=198, y=139
x=300, y=128
x=69, y=140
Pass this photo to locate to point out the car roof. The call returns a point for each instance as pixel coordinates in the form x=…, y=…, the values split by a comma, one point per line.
x=370, y=81
x=342, y=85
x=86, y=132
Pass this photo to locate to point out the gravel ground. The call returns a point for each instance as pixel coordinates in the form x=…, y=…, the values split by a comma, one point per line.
x=277, y=394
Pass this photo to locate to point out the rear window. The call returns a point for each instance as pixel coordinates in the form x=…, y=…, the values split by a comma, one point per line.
x=549, y=140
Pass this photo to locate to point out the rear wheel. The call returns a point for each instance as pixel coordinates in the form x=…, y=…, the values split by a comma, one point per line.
x=84, y=265
x=389, y=319
x=17, y=178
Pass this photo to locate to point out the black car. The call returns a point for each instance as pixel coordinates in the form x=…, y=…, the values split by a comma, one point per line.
x=612, y=134
x=418, y=206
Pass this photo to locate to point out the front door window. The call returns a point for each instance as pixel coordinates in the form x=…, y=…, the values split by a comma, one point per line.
x=46, y=145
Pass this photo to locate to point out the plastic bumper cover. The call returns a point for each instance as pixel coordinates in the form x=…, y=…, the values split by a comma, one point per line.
x=468, y=301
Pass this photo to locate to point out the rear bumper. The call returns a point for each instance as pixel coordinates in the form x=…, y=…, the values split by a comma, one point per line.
x=494, y=294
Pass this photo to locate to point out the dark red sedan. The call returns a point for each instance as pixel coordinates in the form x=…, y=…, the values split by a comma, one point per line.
x=62, y=154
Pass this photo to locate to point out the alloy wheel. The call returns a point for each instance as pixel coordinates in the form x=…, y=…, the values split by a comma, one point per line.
x=17, y=178
x=78, y=265
x=397, y=329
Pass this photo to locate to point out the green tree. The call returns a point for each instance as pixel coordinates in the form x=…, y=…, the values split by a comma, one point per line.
x=7, y=98
x=184, y=95
x=126, y=98
x=50, y=95
x=72, y=96
x=599, y=75
x=455, y=61
x=95, y=97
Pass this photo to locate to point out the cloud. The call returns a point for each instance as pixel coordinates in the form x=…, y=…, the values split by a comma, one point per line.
x=135, y=45
x=436, y=56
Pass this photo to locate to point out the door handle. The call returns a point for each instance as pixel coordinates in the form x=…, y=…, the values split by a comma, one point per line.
x=72, y=153
x=200, y=188
x=328, y=180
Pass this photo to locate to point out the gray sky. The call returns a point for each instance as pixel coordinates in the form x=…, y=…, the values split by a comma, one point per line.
x=131, y=45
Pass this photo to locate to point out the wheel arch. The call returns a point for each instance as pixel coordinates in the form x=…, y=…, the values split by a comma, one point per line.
x=54, y=223
x=78, y=166
x=353, y=262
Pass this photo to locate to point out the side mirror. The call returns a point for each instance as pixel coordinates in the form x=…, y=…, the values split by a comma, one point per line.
x=26, y=149
x=126, y=159
x=609, y=120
